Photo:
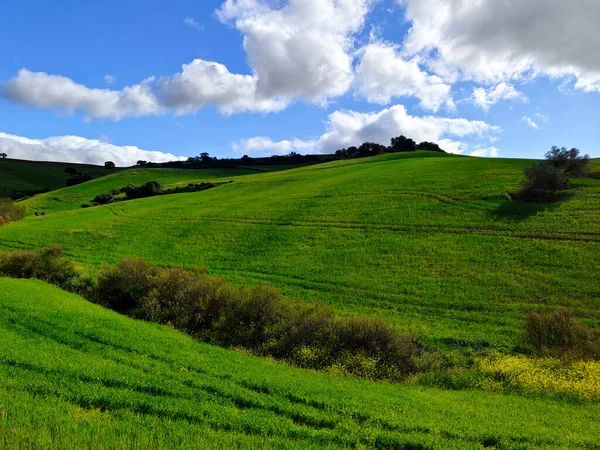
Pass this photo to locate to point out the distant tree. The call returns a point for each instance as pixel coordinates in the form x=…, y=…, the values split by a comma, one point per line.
x=205, y=157
x=141, y=163
x=403, y=144
x=109, y=165
x=246, y=158
x=568, y=161
x=426, y=145
x=371, y=149
x=352, y=151
x=3, y=155
x=71, y=171
x=342, y=153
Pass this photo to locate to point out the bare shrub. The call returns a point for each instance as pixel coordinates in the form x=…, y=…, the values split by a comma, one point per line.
x=10, y=211
x=559, y=334
x=49, y=265
x=121, y=287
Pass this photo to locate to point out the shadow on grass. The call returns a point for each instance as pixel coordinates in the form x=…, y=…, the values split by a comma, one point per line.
x=519, y=210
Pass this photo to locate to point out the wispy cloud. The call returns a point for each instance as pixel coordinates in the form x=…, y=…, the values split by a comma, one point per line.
x=110, y=79
x=191, y=22
x=530, y=122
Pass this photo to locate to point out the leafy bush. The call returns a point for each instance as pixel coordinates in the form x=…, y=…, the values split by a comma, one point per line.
x=149, y=189
x=260, y=319
x=558, y=334
x=541, y=181
x=568, y=161
x=123, y=286
x=9, y=211
x=48, y=265
x=103, y=199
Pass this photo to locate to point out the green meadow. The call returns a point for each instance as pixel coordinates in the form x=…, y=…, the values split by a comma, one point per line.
x=74, y=375
x=432, y=243
x=428, y=241
x=19, y=176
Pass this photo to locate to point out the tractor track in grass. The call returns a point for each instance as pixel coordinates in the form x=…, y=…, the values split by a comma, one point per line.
x=475, y=230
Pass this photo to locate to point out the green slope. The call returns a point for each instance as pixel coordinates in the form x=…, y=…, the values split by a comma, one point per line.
x=429, y=241
x=73, y=197
x=74, y=375
x=18, y=177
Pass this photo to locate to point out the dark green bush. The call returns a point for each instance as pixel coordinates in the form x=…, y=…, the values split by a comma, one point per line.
x=541, y=182
x=568, y=161
x=149, y=189
x=103, y=199
x=10, y=211
x=559, y=334
x=48, y=265
x=260, y=319
x=123, y=286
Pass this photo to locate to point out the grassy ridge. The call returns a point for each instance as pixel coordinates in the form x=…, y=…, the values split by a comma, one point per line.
x=18, y=176
x=429, y=241
x=73, y=197
x=74, y=375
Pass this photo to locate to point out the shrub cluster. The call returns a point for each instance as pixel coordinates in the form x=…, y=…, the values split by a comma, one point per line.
x=544, y=179
x=48, y=265
x=260, y=319
x=559, y=334
x=149, y=189
x=9, y=211
x=541, y=182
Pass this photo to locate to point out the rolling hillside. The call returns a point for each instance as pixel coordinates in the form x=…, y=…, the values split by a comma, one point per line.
x=430, y=242
x=19, y=177
x=74, y=375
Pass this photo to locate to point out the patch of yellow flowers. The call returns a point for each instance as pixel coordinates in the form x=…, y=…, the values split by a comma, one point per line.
x=541, y=375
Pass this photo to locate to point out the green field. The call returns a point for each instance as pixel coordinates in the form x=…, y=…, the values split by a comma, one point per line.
x=74, y=375
x=19, y=176
x=429, y=241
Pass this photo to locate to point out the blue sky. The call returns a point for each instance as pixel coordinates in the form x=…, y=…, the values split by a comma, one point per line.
x=267, y=76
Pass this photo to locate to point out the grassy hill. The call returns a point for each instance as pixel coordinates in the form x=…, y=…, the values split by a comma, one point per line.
x=429, y=241
x=74, y=375
x=19, y=177
x=73, y=197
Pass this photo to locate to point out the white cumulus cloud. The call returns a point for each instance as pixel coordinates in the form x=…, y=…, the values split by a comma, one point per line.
x=301, y=50
x=490, y=152
x=383, y=74
x=347, y=128
x=62, y=93
x=485, y=98
x=77, y=149
x=491, y=41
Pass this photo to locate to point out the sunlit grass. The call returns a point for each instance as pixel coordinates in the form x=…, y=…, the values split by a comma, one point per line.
x=74, y=375
x=432, y=244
